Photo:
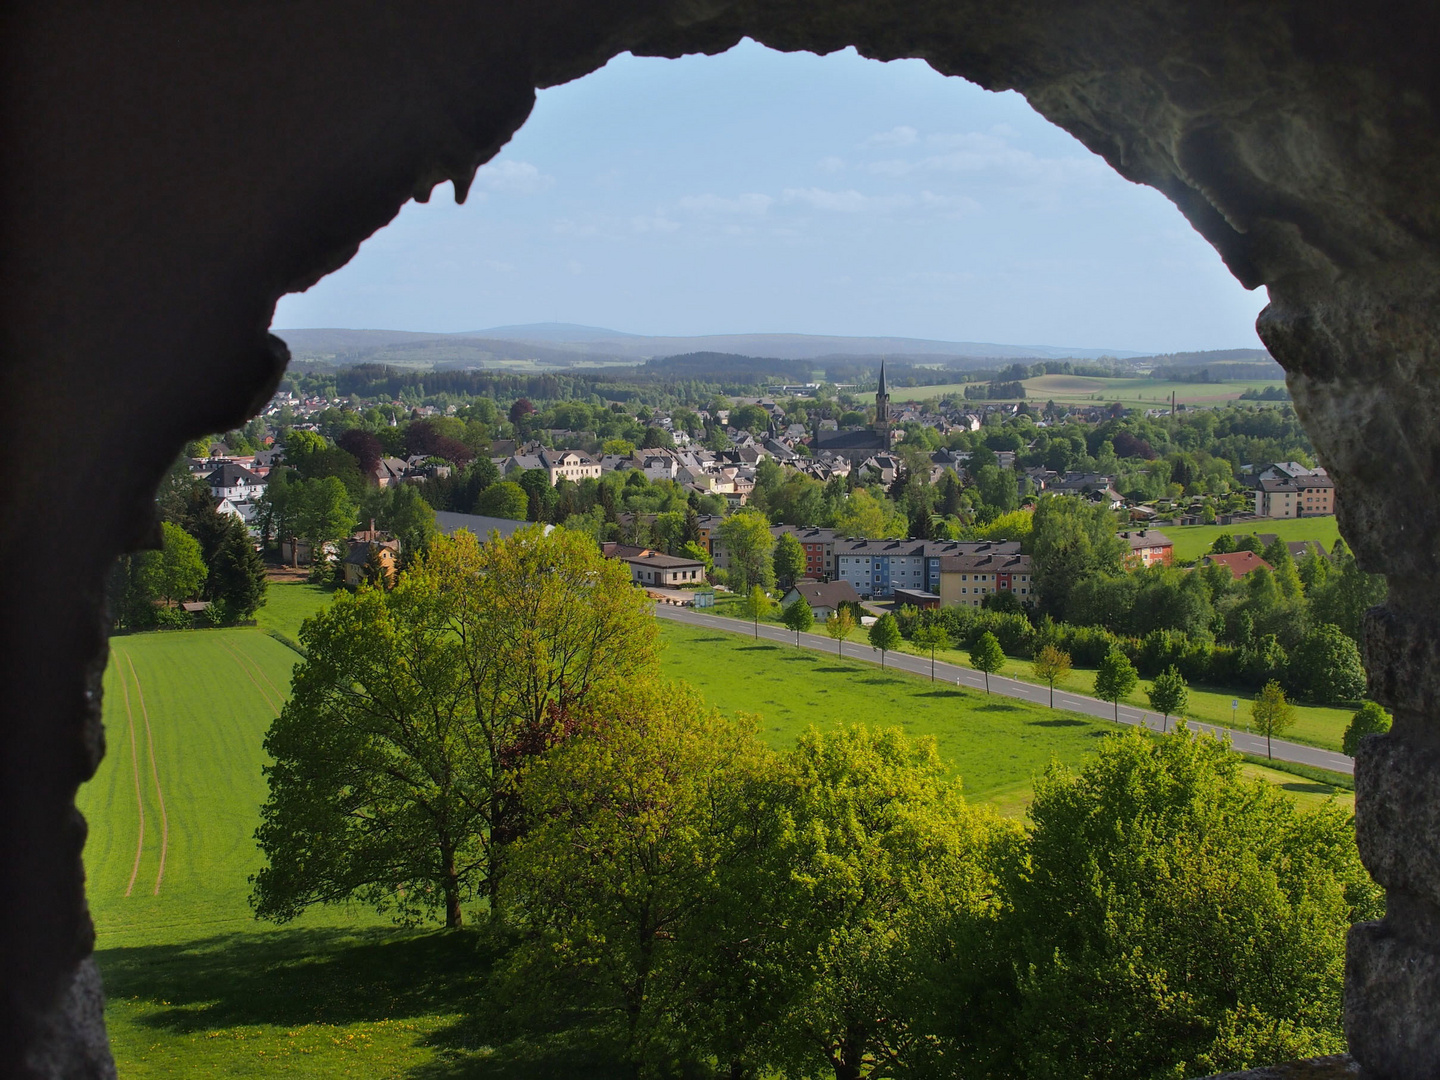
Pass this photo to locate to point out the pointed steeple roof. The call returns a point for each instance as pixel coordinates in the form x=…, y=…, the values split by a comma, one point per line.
x=881, y=391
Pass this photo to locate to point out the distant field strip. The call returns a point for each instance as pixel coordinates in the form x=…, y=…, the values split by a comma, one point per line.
x=204, y=699
x=154, y=774
x=139, y=797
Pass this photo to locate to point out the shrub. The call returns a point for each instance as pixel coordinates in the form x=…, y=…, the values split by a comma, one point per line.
x=1369, y=719
x=1326, y=668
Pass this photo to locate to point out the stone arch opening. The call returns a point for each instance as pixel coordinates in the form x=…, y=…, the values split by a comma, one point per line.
x=174, y=171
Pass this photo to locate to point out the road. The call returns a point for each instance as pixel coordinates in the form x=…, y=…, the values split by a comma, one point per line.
x=858, y=649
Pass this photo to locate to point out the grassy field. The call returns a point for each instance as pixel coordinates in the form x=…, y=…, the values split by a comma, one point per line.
x=1192, y=541
x=288, y=604
x=197, y=988
x=1136, y=393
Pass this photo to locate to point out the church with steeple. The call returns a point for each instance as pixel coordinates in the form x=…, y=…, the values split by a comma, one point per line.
x=861, y=443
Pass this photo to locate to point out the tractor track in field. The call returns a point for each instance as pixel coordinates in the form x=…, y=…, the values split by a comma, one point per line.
x=242, y=658
x=135, y=770
x=154, y=774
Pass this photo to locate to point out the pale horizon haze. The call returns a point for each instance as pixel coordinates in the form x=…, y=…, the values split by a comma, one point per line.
x=761, y=192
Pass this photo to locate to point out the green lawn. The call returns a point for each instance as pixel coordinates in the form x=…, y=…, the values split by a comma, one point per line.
x=288, y=604
x=995, y=745
x=1192, y=541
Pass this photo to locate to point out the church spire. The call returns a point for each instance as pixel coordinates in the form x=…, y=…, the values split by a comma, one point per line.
x=882, y=400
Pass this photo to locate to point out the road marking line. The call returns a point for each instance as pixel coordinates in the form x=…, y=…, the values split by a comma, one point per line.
x=135, y=769
x=155, y=774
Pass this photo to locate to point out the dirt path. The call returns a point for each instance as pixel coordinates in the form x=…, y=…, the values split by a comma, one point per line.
x=243, y=659
x=135, y=769
x=154, y=774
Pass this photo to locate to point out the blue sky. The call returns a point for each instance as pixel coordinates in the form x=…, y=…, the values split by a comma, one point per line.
x=765, y=192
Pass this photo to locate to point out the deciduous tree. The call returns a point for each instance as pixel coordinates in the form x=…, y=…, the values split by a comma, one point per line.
x=840, y=626
x=1326, y=668
x=789, y=559
x=1051, y=665
x=987, y=656
x=748, y=543
x=885, y=635
x=1168, y=694
x=1271, y=714
x=799, y=617
x=756, y=605
x=1115, y=678
x=1369, y=719
x=932, y=637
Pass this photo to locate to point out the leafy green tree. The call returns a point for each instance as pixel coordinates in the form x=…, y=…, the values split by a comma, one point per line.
x=756, y=605
x=987, y=656
x=1115, y=678
x=1369, y=719
x=1072, y=540
x=1326, y=668
x=1051, y=665
x=377, y=791
x=864, y=515
x=505, y=499
x=176, y=571
x=1169, y=917
x=634, y=828
x=403, y=512
x=789, y=559
x=799, y=617
x=1168, y=694
x=932, y=637
x=1314, y=570
x=693, y=549
x=876, y=856
x=885, y=635
x=840, y=626
x=1347, y=594
x=323, y=513
x=748, y=543
x=1287, y=578
x=1271, y=714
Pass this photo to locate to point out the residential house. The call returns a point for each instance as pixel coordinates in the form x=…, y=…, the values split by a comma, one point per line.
x=656, y=568
x=361, y=549
x=1239, y=563
x=877, y=567
x=1291, y=490
x=966, y=580
x=1148, y=547
x=824, y=597
x=819, y=545
x=234, y=482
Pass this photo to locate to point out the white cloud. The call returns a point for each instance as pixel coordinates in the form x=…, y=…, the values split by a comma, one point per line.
x=903, y=135
x=515, y=177
x=653, y=223
x=846, y=202
x=751, y=204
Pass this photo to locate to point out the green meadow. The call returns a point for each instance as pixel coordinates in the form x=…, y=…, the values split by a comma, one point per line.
x=1084, y=389
x=197, y=988
x=1192, y=541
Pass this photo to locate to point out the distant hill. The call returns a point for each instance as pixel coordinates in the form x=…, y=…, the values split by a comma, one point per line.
x=565, y=345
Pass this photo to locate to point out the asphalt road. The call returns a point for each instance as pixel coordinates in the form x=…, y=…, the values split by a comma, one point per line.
x=857, y=648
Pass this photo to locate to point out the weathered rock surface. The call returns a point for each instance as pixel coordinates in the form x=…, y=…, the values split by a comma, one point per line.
x=173, y=169
x=1336, y=1067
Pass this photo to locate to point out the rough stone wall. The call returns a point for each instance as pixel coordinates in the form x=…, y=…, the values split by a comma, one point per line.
x=173, y=168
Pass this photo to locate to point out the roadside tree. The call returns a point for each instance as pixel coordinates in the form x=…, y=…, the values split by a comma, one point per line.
x=1326, y=668
x=885, y=635
x=840, y=626
x=931, y=637
x=1168, y=694
x=1115, y=678
x=1051, y=665
x=1271, y=714
x=987, y=656
x=756, y=606
x=799, y=617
